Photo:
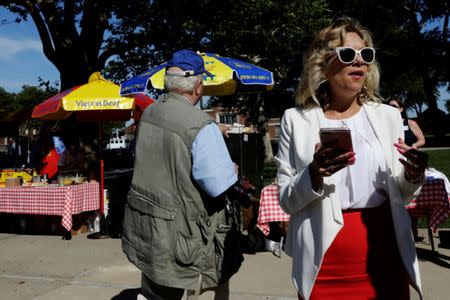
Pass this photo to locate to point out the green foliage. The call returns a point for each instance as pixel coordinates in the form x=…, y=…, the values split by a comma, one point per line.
x=73, y=32
x=125, y=38
x=271, y=34
x=19, y=106
x=270, y=172
x=134, y=35
x=412, y=45
x=274, y=35
x=6, y=103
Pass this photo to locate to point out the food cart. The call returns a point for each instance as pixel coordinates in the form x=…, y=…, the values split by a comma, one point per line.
x=98, y=101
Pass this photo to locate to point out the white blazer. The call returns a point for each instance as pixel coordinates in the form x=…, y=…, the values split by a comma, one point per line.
x=317, y=218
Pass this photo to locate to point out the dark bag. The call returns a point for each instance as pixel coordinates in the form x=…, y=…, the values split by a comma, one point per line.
x=227, y=241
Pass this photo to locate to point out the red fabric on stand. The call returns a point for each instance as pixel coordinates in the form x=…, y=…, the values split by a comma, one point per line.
x=64, y=201
x=433, y=202
x=363, y=262
x=270, y=209
x=50, y=164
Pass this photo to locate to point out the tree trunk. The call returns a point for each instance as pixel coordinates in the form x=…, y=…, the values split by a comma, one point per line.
x=433, y=111
x=75, y=70
x=71, y=78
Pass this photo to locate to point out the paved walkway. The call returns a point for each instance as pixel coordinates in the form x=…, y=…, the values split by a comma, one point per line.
x=46, y=267
x=434, y=148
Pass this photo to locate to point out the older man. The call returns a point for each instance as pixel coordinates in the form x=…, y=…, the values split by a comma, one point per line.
x=180, y=228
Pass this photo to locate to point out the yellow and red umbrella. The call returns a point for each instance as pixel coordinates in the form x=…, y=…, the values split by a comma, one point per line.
x=98, y=100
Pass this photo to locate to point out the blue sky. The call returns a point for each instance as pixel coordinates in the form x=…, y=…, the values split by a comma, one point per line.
x=21, y=58
x=23, y=62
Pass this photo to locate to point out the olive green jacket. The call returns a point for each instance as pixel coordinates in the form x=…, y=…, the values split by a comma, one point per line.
x=172, y=231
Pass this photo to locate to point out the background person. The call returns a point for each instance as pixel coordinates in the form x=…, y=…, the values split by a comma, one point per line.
x=14, y=151
x=413, y=137
x=36, y=154
x=413, y=134
x=349, y=234
x=49, y=165
x=179, y=229
x=72, y=160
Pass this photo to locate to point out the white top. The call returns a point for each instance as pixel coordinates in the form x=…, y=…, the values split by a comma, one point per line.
x=363, y=183
x=317, y=219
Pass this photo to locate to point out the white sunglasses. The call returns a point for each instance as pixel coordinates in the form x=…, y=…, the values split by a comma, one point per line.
x=347, y=55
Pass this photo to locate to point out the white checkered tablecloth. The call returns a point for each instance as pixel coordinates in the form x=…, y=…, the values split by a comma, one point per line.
x=269, y=208
x=63, y=201
x=433, y=202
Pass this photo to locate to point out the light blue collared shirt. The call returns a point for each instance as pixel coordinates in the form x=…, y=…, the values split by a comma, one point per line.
x=212, y=167
x=59, y=144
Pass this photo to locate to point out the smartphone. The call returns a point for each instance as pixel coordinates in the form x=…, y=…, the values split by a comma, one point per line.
x=340, y=139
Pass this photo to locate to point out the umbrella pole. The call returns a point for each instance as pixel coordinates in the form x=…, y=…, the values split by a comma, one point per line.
x=103, y=233
x=102, y=187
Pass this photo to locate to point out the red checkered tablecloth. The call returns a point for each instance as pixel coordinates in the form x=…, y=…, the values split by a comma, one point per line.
x=63, y=201
x=269, y=208
x=433, y=202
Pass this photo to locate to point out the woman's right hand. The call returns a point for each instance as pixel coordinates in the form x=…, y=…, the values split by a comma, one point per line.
x=326, y=162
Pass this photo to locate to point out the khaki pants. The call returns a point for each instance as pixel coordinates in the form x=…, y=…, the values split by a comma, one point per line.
x=153, y=291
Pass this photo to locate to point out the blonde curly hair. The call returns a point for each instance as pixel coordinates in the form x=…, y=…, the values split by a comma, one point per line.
x=312, y=89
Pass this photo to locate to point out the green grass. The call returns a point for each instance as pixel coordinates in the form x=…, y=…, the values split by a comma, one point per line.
x=270, y=172
x=440, y=160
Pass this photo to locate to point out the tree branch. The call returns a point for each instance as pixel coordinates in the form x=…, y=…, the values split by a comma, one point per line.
x=93, y=26
x=445, y=26
x=69, y=19
x=47, y=43
x=117, y=48
x=54, y=23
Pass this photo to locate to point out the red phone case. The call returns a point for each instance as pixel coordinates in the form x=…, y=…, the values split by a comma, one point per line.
x=338, y=138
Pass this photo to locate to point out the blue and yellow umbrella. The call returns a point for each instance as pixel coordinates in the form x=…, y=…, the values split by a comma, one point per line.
x=228, y=76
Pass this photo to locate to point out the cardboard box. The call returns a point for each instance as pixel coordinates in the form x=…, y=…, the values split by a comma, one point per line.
x=12, y=182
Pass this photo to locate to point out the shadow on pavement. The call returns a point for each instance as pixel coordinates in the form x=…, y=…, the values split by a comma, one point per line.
x=434, y=257
x=128, y=294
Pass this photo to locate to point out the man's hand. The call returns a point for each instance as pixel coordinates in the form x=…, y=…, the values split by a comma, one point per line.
x=224, y=128
x=236, y=169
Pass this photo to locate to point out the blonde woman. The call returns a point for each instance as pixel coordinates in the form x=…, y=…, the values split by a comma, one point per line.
x=349, y=235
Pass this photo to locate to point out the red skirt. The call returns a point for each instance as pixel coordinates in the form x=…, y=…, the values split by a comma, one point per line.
x=363, y=262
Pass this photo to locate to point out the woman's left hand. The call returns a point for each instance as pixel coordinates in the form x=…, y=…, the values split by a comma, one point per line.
x=415, y=163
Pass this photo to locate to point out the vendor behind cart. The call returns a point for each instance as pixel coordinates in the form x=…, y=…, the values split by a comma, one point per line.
x=48, y=167
x=73, y=159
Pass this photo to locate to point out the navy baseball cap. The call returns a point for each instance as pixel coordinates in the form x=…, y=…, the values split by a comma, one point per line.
x=190, y=62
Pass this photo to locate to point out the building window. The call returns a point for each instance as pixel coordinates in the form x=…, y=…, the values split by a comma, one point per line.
x=227, y=118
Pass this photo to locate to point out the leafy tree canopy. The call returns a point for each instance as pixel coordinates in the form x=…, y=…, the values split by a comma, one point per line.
x=124, y=38
x=412, y=44
x=19, y=106
x=127, y=37
x=271, y=34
